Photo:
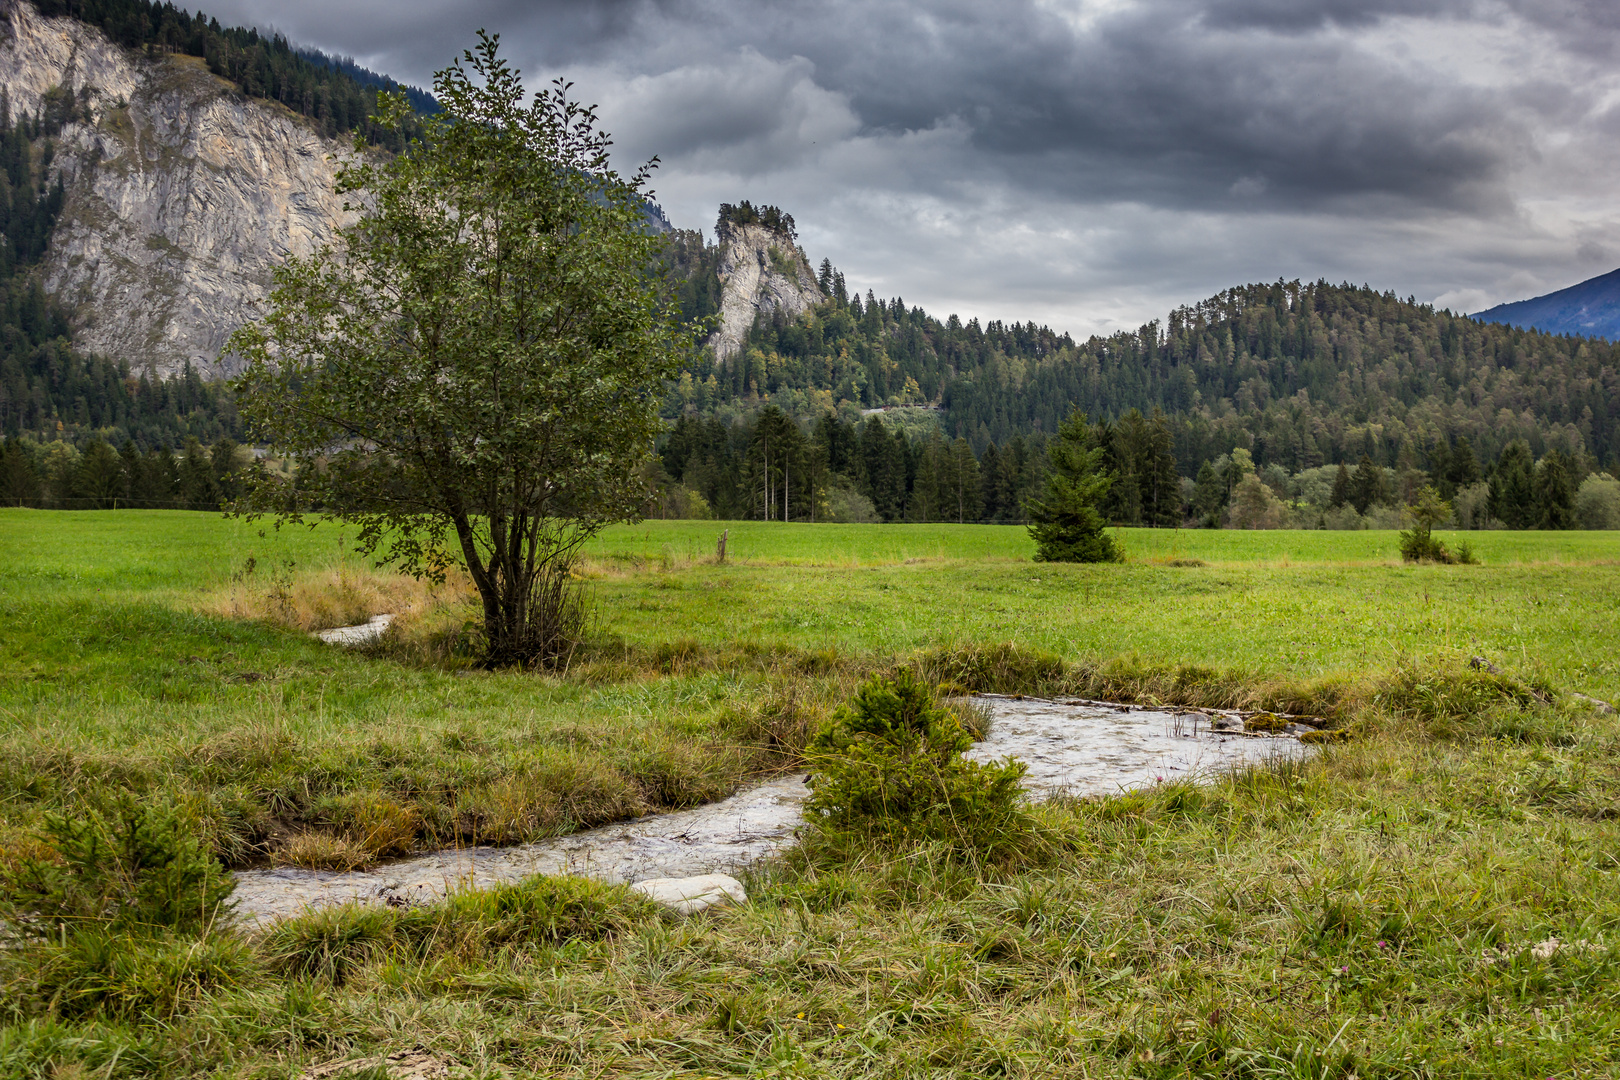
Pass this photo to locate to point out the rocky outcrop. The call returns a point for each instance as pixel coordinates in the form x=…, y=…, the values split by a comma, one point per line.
x=761, y=272
x=182, y=193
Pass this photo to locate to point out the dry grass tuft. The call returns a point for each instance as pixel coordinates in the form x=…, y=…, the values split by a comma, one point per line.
x=342, y=594
x=323, y=851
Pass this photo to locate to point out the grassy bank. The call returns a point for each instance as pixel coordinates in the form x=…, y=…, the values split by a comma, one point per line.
x=1388, y=909
x=128, y=661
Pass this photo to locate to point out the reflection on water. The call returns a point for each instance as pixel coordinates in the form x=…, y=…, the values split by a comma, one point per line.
x=1070, y=749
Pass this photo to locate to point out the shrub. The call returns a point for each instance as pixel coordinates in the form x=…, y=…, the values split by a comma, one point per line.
x=888, y=767
x=115, y=913
x=128, y=866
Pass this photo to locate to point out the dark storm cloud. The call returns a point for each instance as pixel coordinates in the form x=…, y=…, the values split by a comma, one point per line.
x=1029, y=147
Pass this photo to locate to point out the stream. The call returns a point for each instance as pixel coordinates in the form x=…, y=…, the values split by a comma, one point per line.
x=1070, y=748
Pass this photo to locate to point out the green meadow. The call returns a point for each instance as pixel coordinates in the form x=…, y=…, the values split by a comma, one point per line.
x=1383, y=909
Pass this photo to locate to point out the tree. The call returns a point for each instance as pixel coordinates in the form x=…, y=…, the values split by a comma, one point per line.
x=98, y=477
x=1341, y=488
x=1554, y=492
x=1367, y=485
x=964, y=482
x=1254, y=506
x=1066, y=525
x=1418, y=544
x=1597, y=503
x=1161, y=482
x=1512, y=491
x=477, y=361
x=1209, y=495
x=19, y=480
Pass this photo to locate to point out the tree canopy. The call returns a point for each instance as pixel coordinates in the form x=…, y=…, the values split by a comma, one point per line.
x=475, y=367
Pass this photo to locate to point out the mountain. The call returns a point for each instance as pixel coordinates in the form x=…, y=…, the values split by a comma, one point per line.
x=193, y=160
x=762, y=274
x=1590, y=309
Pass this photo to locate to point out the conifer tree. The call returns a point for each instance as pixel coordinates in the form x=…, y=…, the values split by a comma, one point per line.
x=1066, y=525
x=1209, y=495
x=1341, y=487
x=1512, y=489
x=1367, y=486
x=1554, y=492
x=965, y=482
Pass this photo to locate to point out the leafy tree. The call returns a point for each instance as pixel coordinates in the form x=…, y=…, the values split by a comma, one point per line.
x=1597, y=502
x=1254, y=506
x=1066, y=525
x=476, y=363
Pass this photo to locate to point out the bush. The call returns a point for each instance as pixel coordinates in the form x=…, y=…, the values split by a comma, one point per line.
x=888, y=767
x=115, y=913
x=127, y=866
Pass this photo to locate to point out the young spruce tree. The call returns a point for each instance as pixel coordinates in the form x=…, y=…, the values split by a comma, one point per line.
x=1066, y=525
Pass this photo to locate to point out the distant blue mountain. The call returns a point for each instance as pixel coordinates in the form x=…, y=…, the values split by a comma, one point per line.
x=1590, y=309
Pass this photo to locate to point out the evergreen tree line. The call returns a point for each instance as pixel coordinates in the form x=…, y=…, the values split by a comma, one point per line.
x=768, y=466
x=58, y=475
x=1300, y=375
x=337, y=96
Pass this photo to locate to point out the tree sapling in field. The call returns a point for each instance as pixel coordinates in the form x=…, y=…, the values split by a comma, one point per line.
x=1066, y=525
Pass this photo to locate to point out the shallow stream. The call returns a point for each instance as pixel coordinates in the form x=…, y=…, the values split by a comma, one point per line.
x=1080, y=749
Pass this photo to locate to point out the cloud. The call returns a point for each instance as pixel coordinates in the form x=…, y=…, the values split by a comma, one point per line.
x=1090, y=162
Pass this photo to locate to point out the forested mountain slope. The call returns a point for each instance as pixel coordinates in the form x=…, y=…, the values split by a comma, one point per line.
x=1300, y=374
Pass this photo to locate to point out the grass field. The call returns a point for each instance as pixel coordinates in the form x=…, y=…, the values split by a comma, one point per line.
x=1329, y=919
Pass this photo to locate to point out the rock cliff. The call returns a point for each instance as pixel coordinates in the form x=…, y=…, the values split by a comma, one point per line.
x=182, y=193
x=761, y=272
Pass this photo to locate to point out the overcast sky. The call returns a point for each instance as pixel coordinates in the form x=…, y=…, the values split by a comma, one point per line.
x=1087, y=163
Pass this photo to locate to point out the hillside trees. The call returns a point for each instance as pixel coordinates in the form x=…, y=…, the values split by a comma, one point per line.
x=336, y=95
x=475, y=369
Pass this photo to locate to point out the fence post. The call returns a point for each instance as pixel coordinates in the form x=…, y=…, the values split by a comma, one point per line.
x=720, y=548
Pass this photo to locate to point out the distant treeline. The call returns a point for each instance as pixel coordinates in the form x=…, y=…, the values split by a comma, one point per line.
x=768, y=466
x=58, y=475
x=335, y=94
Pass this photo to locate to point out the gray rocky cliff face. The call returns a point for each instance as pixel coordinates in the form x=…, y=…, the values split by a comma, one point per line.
x=761, y=272
x=182, y=194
